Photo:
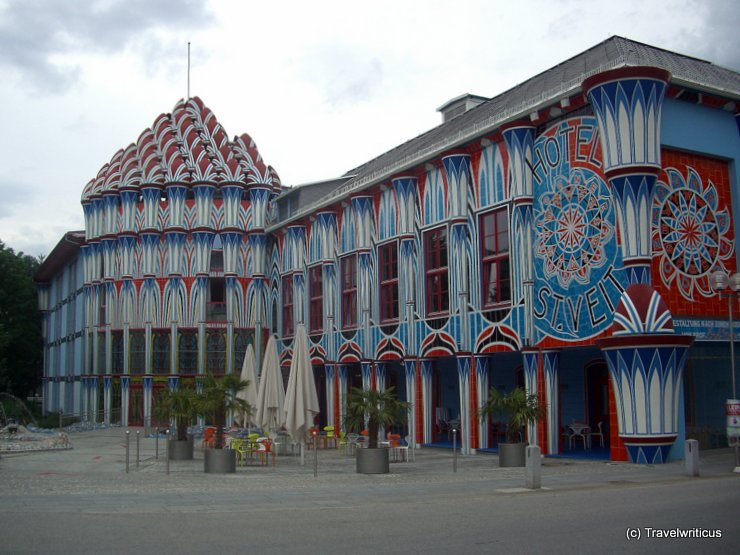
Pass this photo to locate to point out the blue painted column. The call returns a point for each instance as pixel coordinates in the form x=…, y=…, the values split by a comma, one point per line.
x=367, y=373
x=125, y=392
x=519, y=139
x=427, y=367
x=644, y=356
x=330, y=397
x=148, y=386
x=481, y=372
x=410, y=375
x=406, y=198
x=107, y=399
x=627, y=104
x=531, y=367
x=551, y=363
x=458, y=172
x=646, y=361
x=343, y=390
x=463, y=376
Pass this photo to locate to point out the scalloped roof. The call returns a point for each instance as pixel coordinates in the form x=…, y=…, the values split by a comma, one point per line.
x=188, y=146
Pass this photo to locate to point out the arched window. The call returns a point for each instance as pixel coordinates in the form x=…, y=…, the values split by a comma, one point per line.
x=217, y=256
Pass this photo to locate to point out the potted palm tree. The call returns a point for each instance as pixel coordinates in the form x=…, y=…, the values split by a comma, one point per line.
x=179, y=405
x=520, y=409
x=216, y=399
x=377, y=408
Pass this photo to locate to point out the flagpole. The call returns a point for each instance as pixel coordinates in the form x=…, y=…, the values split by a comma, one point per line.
x=188, y=70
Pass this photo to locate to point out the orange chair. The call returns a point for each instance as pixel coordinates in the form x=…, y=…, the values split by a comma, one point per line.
x=209, y=437
x=394, y=440
x=265, y=448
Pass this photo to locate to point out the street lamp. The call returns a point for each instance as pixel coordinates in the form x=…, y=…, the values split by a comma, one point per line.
x=729, y=287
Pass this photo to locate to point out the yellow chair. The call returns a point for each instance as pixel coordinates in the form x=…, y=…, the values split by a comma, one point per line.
x=329, y=436
x=240, y=446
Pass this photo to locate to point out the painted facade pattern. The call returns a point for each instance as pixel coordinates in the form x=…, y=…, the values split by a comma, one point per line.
x=591, y=213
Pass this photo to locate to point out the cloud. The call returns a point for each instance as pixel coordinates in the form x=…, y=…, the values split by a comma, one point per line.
x=345, y=75
x=14, y=193
x=37, y=37
x=721, y=40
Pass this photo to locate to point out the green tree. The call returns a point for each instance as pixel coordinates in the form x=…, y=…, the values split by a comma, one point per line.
x=21, y=349
x=377, y=408
x=217, y=397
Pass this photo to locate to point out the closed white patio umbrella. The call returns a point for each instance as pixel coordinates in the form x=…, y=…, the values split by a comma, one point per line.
x=249, y=393
x=301, y=400
x=270, y=413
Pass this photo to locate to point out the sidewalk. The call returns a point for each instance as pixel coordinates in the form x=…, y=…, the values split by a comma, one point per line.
x=96, y=464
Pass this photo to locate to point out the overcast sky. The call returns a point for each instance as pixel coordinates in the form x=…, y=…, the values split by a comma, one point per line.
x=320, y=86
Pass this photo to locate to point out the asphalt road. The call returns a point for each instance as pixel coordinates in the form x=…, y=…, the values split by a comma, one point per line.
x=57, y=503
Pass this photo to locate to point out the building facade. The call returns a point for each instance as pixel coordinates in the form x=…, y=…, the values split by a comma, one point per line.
x=60, y=287
x=559, y=236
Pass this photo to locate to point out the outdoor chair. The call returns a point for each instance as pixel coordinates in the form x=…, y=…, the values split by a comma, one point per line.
x=265, y=448
x=240, y=446
x=599, y=434
x=403, y=451
x=328, y=436
x=351, y=442
x=209, y=437
x=566, y=434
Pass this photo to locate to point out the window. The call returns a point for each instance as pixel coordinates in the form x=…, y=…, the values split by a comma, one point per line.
x=436, y=271
x=316, y=299
x=495, y=277
x=161, y=352
x=216, y=311
x=217, y=256
x=349, y=291
x=388, y=267
x=187, y=351
x=137, y=352
x=287, y=287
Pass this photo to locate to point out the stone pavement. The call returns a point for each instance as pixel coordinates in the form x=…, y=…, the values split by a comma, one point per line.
x=96, y=465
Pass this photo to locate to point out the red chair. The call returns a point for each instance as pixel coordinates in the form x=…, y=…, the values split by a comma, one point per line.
x=394, y=440
x=209, y=437
x=265, y=448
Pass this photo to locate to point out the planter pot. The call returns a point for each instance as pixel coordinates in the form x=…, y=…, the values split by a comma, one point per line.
x=511, y=454
x=219, y=461
x=372, y=461
x=181, y=450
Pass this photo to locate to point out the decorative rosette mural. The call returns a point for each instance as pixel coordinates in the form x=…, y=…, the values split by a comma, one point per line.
x=690, y=232
x=574, y=227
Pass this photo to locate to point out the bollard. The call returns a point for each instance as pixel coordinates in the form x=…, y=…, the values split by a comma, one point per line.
x=315, y=456
x=138, y=435
x=454, y=449
x=167, y=456
x=533, y=467
x=691, y=457
x=61, y=412
x=128, y=437
x=156, y=442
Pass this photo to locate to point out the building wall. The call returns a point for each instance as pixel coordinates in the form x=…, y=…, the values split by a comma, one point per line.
x=64, y=340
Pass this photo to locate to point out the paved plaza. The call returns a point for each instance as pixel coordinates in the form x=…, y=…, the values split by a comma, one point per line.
x=83, y=500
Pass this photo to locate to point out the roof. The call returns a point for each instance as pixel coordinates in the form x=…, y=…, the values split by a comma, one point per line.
x=542, y=90
x=65, y=250
x=187, y=146
x=310, y=193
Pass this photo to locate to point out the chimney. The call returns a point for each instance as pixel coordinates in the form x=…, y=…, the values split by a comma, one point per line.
x=460, y=105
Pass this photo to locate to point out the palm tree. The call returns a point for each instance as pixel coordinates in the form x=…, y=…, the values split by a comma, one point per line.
x=180, y=404
x=218, y=397
x=519, y=407
x=378, y=408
